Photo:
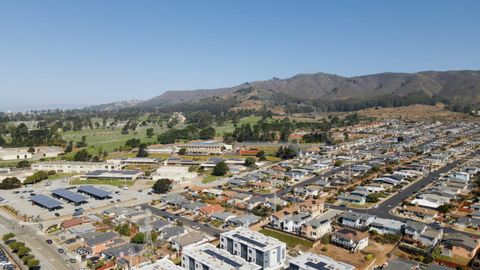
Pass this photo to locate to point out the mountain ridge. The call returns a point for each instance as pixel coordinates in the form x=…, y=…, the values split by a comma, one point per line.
x=453, y=86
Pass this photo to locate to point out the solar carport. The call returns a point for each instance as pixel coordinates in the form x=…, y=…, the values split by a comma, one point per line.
x=46, y=202
x=97, y=193
x=69, y=196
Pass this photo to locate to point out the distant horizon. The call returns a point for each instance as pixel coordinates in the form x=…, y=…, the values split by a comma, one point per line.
x=96, y=52
x=67, y=106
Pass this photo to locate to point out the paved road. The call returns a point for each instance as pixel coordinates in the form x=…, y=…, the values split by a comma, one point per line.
x=203, y=228
x=47, y=254
x=384, y=208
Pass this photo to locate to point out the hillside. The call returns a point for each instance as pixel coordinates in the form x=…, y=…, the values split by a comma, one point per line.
x=451, y=87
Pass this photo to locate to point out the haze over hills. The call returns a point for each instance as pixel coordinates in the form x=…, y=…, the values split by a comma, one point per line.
x=452, y=86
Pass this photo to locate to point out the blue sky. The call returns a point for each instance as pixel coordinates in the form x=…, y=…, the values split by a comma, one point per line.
x=90, y=52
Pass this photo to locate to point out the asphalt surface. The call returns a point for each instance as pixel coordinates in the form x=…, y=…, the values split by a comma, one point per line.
x=202, y=227
x=384, y=208
x=47, y=254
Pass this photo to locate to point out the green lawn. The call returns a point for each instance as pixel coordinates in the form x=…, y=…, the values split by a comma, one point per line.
x=111, y=182
x=109, y=139
x=229, y=127
x=290, y=240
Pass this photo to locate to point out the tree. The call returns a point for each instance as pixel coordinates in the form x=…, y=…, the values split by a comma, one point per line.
x=182, y=151
x=142, y=150
x=287, y=152
x=149, y=132
x=260, y=154
x=220, y=169
x=22, y=251
x=207, y=133
x=139, y=238
x=250, y=161
x=82, y=155
x=33, y=264
x=10, y=183
x=23, y=164
x=133, y=143
x=445, y=208
x=69, y=147
x=2, y=141
x=8, y=236
x=162, y=186
x=83, y=142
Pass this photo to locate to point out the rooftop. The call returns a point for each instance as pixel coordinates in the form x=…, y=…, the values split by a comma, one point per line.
x=216, y=258
x=311, y=261
x=252, y=238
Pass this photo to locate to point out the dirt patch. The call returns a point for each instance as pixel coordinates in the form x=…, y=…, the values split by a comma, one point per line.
x=357, y=259
x=417, y=112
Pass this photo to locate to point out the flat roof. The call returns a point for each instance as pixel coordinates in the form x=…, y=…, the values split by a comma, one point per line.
x=311, y=261
x=215, y=258
x=252, y=238
x=45, y=201
x=69, y=195
x=96, y=192
x=124, y=172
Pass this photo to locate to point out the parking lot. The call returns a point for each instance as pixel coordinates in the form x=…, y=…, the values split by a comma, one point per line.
x=19, y=199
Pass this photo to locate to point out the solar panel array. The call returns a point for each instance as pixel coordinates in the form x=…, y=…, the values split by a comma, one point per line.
x=93, y=191
x=45, y=201
x=100, y=172
x=319, y=265
x=69, y=195
x=249, y=240
x=222, y=258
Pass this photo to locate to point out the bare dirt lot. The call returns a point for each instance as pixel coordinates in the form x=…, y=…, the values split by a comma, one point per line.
x=417, y=112
x=357, y=259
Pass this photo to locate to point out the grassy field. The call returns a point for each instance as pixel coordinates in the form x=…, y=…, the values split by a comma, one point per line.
x=291, y=240
x=109, y=139
x=229, y=127
x=111, y=182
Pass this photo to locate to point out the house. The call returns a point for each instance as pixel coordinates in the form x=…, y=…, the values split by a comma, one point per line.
x=223, y=216
x=401, y=264
x=420, y=212
x=149, y=224
x=129, y=249
x=80, y=229
x=347, y=198
x=468, y=222
x=386, y=226
x=97, y=242
x=355, y=220
x=316, y=228
x=244, y=221
x=122, y=214
x=312, y=206
x=311, y=261
x=193, y=238
x=350, y=239
x=459, y=245
x=255, y=201
x=170, y=232
x=211, y=209
x=416, y=232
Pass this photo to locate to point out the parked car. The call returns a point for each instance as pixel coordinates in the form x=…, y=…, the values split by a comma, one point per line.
x=61, y=250
x=49, y=241
x=70, y=241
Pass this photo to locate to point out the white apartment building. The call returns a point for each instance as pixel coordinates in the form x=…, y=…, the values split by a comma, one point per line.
x=14, y=154
x=266, y=252
x=207, y=256
x=74, y=166
x=311, y=261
